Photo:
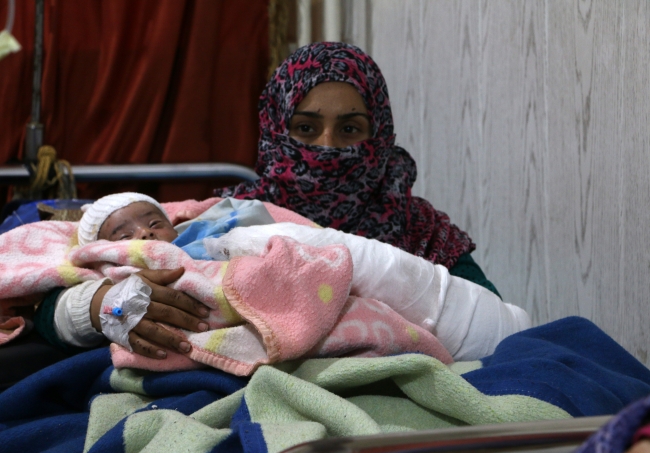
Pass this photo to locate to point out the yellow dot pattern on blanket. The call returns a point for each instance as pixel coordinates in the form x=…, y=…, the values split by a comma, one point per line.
x=136, y=255
x=215, y=340
x=223, y=269
x=415, y=336
x=325, y=293
x=68, y=273
x=225, y=309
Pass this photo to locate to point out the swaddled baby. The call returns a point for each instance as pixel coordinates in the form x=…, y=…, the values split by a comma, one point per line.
x=130, y=215
x=78, y=310
x=468, y=319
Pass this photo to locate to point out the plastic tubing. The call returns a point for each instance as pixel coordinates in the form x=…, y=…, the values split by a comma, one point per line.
x=11, y=14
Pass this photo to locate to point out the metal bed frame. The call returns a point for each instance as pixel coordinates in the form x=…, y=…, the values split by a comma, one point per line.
x=554, y=436
x=19, y=174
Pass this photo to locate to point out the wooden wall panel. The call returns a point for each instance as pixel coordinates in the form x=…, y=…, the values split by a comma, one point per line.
x=397, y=47
x=448, y=157
x=529, y=121
x=357, y=23
x=513, y=142
x=426, y=83
x=583, y=182
x=631, y=305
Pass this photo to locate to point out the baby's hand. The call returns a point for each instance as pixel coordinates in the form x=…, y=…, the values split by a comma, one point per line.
x=168, y=306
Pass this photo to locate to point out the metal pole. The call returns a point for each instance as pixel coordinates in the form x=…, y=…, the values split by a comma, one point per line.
x=34, y=133
x=304, y=22
x=18, y=174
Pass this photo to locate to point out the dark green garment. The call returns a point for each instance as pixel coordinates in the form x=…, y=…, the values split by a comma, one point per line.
x=467, y=268
x=44, y=323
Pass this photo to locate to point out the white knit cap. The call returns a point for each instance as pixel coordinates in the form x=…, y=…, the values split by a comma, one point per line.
x=96, y=214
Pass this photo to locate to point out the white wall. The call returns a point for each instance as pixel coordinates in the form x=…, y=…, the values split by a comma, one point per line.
x=529, y=121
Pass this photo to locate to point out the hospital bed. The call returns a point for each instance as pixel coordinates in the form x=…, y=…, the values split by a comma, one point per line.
x=31, y=353
x=169, y=391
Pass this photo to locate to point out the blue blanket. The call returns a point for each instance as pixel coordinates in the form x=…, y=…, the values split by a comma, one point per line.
x=562, y=369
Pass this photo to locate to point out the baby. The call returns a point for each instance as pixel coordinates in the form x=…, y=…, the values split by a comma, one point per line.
x=130, y=215
x=125, y=216
x=468, y=319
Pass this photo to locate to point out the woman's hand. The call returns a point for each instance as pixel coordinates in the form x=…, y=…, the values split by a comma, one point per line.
x=168, y=306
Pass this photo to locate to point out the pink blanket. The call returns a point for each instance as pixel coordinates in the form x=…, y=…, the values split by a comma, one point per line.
x=10, y=328
x=291, y=302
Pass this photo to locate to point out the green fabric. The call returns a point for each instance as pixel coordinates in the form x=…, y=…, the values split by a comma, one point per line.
x=112, y=409
x=316, y=399
x=467, y=268
x=44, y=323
x=288, y=401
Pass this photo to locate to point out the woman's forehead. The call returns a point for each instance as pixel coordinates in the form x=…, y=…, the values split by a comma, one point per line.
x=333, y=96
x=321, y=63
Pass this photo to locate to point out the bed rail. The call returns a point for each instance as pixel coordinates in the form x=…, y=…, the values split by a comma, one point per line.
x=18, y=174
x=556, y=436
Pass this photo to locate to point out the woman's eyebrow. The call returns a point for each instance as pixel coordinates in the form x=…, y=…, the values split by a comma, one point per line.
x=309, y=114
x=347, y=116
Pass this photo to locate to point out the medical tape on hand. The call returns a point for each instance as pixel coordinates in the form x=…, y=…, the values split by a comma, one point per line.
x=124, y=305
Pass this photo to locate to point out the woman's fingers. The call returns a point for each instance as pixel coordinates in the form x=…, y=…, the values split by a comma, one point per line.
x=162, y=312
x=168, y=306
x=162, y=276
x=145, y=348
x=157, y=281
x=147, y=335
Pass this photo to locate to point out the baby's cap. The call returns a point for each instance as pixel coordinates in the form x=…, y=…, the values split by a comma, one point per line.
x=96, y=214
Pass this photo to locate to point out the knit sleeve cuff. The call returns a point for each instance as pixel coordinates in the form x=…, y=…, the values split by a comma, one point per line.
x=72, y=315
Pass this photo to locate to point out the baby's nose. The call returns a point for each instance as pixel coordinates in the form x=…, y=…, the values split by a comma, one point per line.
x=146, y=234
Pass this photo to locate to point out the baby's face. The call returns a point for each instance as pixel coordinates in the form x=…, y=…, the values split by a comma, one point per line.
x=139, y=220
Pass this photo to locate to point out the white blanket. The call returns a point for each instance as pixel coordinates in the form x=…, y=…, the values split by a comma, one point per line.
x=468, y=319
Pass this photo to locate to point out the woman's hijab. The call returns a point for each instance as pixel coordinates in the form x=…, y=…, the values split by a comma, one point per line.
x=363, y=189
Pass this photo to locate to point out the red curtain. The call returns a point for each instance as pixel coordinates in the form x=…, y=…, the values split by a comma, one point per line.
x=140, y=81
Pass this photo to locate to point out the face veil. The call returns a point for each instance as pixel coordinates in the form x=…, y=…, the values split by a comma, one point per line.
x=364, y=189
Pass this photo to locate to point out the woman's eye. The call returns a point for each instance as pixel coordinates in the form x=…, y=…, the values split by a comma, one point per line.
x=351, y=129
x=305, y=128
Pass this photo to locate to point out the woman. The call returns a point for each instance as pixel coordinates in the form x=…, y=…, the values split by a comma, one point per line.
x=327, y=151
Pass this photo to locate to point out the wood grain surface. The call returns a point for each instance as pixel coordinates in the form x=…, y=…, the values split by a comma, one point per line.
x=529, y=122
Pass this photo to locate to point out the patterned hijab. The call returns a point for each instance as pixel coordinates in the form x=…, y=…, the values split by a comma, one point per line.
x=363, y=189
